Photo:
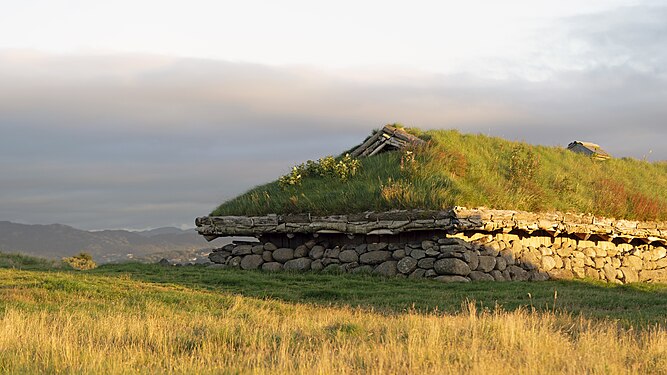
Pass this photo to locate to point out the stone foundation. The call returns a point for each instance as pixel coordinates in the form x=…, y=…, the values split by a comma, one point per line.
x=452, y=245
x=460, y=257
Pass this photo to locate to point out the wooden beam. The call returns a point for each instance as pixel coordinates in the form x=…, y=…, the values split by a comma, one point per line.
x=365, y=145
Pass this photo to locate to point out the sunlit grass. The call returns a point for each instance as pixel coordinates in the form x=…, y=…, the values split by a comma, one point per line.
x=475, y=170
x=109, y=321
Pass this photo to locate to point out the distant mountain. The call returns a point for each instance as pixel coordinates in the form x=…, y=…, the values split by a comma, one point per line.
x=164, y=230
x=56, y=241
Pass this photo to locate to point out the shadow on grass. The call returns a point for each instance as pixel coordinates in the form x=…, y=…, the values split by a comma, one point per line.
x=637, y=304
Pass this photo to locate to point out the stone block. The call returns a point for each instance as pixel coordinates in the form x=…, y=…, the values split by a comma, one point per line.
x=375, y=257
x=283, y=254
x=317, y=252
x=485, y=264
x=407, y=265
x=426, y=263
x=272, y=267
x=480, y=276
x=298, y=264
x=348, y=256
x=451, y=266
x=251, y=262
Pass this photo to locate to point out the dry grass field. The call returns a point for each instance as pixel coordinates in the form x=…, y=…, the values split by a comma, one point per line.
x=112, y=320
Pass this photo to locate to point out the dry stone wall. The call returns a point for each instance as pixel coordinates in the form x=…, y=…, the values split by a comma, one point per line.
x=461, y=258
x=452, y=246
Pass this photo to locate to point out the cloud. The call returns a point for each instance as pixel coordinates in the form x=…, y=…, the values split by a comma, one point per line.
x=141, y=141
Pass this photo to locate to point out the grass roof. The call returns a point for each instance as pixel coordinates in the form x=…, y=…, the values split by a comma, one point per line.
x=457, y=169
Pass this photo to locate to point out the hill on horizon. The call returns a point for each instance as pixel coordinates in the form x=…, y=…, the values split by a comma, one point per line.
x=470, y=170
x=55, y=241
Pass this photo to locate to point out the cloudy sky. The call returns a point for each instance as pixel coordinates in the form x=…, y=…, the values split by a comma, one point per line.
x=141, y=114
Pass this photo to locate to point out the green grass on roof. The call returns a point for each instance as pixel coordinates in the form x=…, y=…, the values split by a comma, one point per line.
x=474, y=171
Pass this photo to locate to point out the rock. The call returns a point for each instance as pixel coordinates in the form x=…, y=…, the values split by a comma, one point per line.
x=449, y=249
x=498, y=275
x=398, y=254
x=298, y=264
x=501, y=264
x=518, y=274
x=486, y=264
x=426, y=263
x=417, y=274
x=658, y=253
x=283, y=254
x=348, y=267
x=362, y=270
x=216, y=257
x=633, y=261
x=310, y=244
x=234, y=262
x=301, y=251
x=407, y=265
x=388, y=268
x=560, y=274
x=333, y=268
x=317, y=252
x=432, y=252
x=360, y=249
x=426, y=245
x=317, y=265
x=548, y=263
x=629, y=275
x=267, y=256
x=257, y=249
x=242, y=250
x=451, y=241
x=472, y=260
x=393, y=247
x=451, y=266
x=375, y=257
x=536, y=275
x=452, y=279
x=252, y=262
x=332, y=253
x=270, y=247
x=377, y=246
x=418, y=254
x=491, y=249
x=348, y=256
x=609, y=272
x=480, y=276
x=430, y=273
x=328, y=261
x=272, y=267
x=579, y=272
x=590, y=252
x=592, y=273
x=654, y=275
x=599, y=263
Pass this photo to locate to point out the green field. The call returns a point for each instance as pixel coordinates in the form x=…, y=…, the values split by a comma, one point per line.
x=153, y=319
x=473, y=171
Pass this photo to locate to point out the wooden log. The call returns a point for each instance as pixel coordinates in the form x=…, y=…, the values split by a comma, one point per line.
x=359, y=150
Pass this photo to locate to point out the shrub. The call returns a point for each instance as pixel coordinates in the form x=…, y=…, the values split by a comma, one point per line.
x=81, y=261
x=327, y=167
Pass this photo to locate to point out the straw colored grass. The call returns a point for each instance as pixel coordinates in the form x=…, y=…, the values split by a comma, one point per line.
x=80, y=323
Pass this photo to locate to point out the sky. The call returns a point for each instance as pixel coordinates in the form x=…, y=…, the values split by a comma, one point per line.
x=142, y=114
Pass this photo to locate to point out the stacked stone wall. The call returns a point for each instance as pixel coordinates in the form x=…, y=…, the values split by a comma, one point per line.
x=463, y=257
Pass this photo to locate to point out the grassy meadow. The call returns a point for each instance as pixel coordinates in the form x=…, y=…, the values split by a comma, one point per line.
x=473, y=170
x=135, y=318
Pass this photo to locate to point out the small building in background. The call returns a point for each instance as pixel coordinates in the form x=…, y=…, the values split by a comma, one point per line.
x=590, y=149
